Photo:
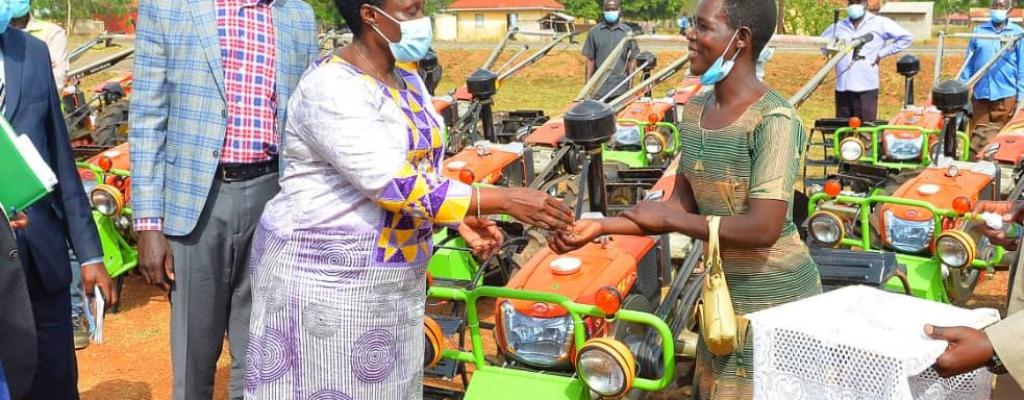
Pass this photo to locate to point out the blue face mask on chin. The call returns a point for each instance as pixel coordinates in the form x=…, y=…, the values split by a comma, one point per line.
x=417, y=35
x=997, y=16
x=721, y=68
x=611, y=17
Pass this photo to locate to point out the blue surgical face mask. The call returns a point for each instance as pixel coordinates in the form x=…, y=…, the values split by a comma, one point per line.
x=721, y=68
x=20, y=8
x=6, y=13
x=998, y=16
x=611, y=16
x=416, y=37
x=855, y=11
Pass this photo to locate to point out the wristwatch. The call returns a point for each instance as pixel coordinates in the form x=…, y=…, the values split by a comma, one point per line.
x=995, y=365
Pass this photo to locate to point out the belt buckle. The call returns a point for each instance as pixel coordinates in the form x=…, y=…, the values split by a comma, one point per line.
x=227, y=176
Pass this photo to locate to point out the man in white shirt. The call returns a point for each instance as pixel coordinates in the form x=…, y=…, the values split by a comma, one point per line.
x=53, y=35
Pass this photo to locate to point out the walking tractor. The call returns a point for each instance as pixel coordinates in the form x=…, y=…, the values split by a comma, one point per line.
x=107, y=181
x=102, y=120
x=645, y=142
x=542, y=336
x=601, y=366
x=878, y=155
x=926, y=223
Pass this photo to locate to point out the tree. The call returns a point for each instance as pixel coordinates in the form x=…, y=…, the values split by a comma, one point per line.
x=59, y=9
x=588, y=9
x=806, y=17
x=650, y=10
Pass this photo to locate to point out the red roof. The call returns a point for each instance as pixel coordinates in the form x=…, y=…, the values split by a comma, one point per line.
x=505, y=5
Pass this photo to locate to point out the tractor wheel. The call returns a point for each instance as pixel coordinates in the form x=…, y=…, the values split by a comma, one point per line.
x=112, y=125
x=565, y=187
x=633, y=336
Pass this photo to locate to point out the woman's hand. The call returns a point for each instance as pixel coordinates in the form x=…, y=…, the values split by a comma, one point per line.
x=1011, y=212
x=536, y=208
x=651, y=216
x=482, y=235
x=578, y=235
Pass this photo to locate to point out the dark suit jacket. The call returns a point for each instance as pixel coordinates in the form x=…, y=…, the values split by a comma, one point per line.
x=33, y=108
x=17, y=329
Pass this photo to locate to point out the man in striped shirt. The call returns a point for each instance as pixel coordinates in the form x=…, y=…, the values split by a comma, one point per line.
x=211, y=83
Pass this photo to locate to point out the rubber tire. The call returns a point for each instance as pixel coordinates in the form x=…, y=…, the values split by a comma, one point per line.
x=108, y=124
x=569, y=193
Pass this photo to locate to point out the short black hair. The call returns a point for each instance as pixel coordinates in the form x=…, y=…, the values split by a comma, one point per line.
x=349, y=10
x=758, y=15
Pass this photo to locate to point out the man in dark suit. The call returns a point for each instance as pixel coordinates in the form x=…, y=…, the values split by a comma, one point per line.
x=17, y=332
x=28, y=98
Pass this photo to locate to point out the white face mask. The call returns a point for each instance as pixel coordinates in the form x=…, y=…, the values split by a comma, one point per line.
x=416, y=37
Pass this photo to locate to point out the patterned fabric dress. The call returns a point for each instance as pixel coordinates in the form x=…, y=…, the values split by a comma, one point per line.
x=339, y=257
x=756, y=157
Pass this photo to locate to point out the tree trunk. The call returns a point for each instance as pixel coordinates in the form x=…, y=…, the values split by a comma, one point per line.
x=780, y=24
x=70, y=24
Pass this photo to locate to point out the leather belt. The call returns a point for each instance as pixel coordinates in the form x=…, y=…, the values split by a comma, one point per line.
x=245, y=172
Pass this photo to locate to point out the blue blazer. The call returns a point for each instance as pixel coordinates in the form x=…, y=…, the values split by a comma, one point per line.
x=178, y=109
x=64, y=215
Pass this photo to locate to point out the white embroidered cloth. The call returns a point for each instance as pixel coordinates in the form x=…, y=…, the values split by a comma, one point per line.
x=860, y=343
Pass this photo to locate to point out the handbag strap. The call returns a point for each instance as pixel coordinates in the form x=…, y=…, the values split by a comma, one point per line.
x=714, y=256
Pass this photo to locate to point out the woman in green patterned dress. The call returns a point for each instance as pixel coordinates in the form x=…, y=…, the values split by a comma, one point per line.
x=742, y=144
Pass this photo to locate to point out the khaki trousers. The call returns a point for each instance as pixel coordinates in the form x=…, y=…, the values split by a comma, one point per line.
x=989, y=118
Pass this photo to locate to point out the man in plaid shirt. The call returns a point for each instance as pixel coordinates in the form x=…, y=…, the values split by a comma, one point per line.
x=212, y=80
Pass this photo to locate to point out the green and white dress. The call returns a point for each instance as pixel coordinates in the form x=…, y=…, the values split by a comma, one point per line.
x=755, y=157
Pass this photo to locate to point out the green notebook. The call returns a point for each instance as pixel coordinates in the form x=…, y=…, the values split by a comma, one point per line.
x=24, y=176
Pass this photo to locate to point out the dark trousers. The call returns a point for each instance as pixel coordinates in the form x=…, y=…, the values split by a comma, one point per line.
x=989, y=117
x=211, y=296
x=56, y=376
x=863, y=105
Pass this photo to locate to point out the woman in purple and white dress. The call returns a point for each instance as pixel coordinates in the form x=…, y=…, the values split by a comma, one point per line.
x=339, y=257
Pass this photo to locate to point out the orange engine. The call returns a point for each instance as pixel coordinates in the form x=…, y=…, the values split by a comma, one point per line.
x=548, y=134
x=118, y=155
x=613, y=264
x=646, y=111
x=1009, y=142
x=941, y=188
x=688, y=88
x=472, y=166
x=925, y=117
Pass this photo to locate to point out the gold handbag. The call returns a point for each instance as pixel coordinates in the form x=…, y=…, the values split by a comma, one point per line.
x=714, y=310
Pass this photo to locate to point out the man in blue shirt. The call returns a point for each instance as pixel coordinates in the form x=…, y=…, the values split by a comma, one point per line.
x=684, y=24
x=998, y=92
x=857, y=80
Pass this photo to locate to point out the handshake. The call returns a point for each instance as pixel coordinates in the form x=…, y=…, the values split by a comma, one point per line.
x=531, y=207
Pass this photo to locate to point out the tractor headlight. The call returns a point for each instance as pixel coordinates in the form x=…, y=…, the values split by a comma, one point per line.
x=851, y=149
x=826, y=228
x=606, y=366
x=903, y=149
x=540, y=342
x=908, y=236
x=107, y=200
x=955, y=248
x=654, y=142
x=627, y=135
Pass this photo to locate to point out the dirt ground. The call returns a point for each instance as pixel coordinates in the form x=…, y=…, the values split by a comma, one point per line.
x=134, y=362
